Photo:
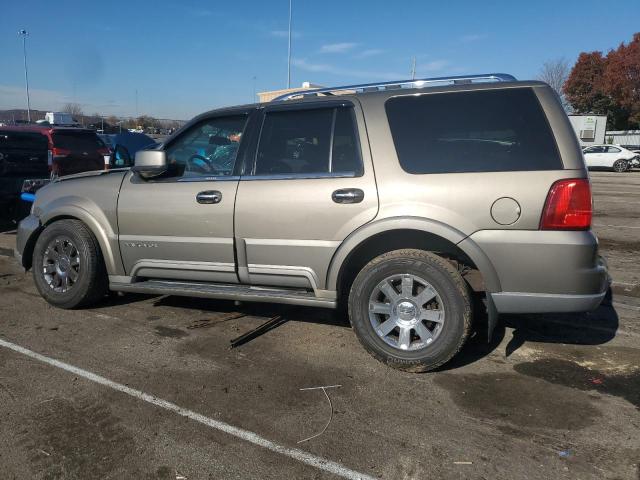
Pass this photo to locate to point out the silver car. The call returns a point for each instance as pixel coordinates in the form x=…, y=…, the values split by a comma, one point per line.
x=399, y=201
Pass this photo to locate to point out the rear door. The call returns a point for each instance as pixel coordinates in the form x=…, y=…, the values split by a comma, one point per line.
x=309, y=184
x=594, y=156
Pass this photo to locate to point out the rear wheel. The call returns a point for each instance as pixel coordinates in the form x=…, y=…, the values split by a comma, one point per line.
x=620, y=166
x=410, y=309
x=68, y=268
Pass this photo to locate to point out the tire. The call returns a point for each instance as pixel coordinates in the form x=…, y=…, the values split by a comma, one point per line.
x=446, y=317
x=64, y=247
x=620, y=166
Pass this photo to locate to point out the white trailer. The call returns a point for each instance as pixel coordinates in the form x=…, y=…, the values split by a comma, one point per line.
x=60, y=118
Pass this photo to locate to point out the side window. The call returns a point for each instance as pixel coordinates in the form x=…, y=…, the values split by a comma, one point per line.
x=613, y=150
x=207, y=149
x=474, y=131
x=307, y=142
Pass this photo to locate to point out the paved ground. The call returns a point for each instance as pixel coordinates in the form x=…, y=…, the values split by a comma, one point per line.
x=554, y=396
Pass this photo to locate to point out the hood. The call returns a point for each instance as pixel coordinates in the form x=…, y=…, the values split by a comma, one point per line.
x=92, y=173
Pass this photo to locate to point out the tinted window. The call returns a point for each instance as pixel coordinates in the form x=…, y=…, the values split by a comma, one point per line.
x=22, y=140
x=207, y=149
x=346, y=152
x=77, y=141
x=481, y=131
x=594, y=150
x=300, y=142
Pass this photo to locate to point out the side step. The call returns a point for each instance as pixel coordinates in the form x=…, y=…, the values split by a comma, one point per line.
x=225, y=291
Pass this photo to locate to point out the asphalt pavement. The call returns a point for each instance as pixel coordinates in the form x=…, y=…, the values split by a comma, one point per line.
x=148, y=387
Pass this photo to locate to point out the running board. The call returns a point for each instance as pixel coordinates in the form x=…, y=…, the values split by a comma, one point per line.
x=225, y=291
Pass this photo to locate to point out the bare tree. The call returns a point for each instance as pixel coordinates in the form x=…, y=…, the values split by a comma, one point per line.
x=555, y=73
x=74, y=109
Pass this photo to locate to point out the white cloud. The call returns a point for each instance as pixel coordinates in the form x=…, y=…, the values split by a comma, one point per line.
x=472, y=37
x=338, y=47
x=371, y=52
x=303, y=64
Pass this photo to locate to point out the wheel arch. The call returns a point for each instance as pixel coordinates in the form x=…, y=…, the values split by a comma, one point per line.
x=107, y=239
x=389, y=234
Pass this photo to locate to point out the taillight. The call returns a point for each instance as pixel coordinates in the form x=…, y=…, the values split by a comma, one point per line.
x=568, y=206
x=60, y=152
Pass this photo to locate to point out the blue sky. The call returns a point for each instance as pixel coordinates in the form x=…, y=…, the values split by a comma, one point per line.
x=185, y=57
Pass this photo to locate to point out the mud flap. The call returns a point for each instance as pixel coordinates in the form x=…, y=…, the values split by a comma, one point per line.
x=492, y=316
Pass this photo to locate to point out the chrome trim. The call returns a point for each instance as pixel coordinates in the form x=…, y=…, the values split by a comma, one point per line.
x=300, y=176
x=416, y=83
x=214, y=178
x=287, y=271
x=167, y=239
x=184, y=266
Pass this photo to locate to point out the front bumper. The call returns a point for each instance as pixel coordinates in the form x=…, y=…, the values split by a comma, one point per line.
x=27, y=229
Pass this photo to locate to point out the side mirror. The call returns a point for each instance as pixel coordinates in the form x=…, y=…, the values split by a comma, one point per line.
x=150, y=163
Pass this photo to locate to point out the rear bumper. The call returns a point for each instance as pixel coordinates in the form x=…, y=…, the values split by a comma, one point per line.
x=545, y=271
x=518, y=302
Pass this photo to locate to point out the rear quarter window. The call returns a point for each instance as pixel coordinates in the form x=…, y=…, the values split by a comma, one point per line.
x=477, y=131
x=75, y=141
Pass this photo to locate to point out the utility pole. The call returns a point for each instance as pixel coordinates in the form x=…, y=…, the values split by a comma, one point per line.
x=413, y=68
x=289, y=51
x=24, y=35
x=253, y=99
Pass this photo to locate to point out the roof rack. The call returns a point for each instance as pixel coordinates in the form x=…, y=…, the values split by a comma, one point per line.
x=416, y=83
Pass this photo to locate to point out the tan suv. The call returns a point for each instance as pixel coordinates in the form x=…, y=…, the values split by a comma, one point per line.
x=398, y=199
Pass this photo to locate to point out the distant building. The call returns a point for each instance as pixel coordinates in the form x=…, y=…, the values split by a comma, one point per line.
x=590, y=129
x=629, y=138
x=265, y=97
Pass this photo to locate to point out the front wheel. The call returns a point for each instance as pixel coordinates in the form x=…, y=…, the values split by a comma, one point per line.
x=410, y=309
x=68, y=268
x=620, y=166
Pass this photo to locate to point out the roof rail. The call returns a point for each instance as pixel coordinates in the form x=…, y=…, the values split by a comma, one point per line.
x=416, y=83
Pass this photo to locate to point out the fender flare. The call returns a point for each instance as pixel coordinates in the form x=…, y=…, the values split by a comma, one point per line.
x=462, y=241
x=100, y=227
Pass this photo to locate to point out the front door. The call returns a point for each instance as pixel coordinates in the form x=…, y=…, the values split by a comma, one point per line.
x=594, y=156
x=180, y=225
x=309, y=186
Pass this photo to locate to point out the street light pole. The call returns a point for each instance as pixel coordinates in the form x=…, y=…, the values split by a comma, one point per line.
x=24, y=35
x=289, y=51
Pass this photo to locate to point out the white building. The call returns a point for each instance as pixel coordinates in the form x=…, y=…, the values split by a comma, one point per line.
x=590, y=129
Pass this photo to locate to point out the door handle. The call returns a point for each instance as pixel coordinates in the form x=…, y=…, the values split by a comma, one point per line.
x=209, y=197
x=348, y=195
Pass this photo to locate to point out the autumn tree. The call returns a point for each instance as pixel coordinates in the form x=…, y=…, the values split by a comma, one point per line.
x=621, y=79
x=608, y=85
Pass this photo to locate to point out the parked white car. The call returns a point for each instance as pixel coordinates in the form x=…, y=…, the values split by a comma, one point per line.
x=615, y=157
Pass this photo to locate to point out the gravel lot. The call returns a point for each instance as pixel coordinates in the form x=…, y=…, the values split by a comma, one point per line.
x=553, y=396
